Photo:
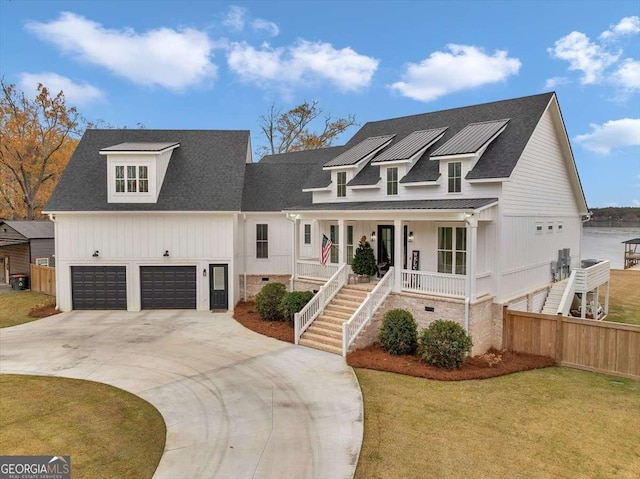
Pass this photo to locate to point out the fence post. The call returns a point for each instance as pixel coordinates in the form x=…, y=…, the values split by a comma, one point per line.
x=559, y=338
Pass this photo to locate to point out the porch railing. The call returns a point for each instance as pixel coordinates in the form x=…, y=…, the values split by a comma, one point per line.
x=364, y=314
x=315, y=307
x=442, y=284
x=589, y=278
x=313, y=269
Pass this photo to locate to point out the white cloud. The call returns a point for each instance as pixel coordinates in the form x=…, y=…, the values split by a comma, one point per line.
x=611, y=135
x=626, y=26
x=627, y=75
x=270, y=28
x=462, y=67
x=553, y=82
x=583, y=55
x=303, y=63
x=164, y=57
x=76, y=94
x=235, y=18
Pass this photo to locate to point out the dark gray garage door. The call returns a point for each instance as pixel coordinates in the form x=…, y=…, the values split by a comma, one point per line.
x=99, y=287
x=168, y=287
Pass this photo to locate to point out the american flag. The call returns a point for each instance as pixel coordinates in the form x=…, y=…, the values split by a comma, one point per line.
x=326, y=249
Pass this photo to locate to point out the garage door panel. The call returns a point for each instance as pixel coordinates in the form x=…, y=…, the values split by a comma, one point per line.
x=168, y=287
x=99, y=287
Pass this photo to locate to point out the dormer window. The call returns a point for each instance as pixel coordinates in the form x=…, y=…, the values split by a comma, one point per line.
x=392, y=181
x=342, y=184
x=455, y=177
x=136, y=179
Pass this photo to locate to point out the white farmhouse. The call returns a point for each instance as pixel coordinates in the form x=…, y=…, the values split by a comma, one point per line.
x=466, y=210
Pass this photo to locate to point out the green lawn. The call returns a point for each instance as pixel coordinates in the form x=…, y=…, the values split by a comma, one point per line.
x=107, y=432
x=624, y=296
x=549, y=423
x=15, y=306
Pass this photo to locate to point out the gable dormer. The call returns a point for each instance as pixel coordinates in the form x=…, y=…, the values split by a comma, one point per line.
x=136, y=170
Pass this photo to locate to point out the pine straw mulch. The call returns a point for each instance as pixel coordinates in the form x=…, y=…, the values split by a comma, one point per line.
x=493, y=364
x=43, y=310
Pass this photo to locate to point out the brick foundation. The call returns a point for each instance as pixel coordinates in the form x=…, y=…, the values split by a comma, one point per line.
x=256, y=282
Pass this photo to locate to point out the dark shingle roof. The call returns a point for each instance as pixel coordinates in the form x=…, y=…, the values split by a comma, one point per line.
x=358, y=152
x=205, y=173
x=471, y=138
x=446, y=204
x=274, y=187
x=32, y=229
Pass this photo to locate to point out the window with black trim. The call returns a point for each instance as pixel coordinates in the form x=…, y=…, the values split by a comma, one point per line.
x=342, y=184
x=392, y=181
x=335, y=243
x=307, y=233
x=262, y=241
x=455, y=177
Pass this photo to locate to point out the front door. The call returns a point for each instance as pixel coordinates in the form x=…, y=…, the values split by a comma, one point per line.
x=385, y=244
x=218, y=289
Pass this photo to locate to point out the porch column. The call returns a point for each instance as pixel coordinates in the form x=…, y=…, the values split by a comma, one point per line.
x=397, y=254
x=341, y=242
x=295, y=250
x=472, y=246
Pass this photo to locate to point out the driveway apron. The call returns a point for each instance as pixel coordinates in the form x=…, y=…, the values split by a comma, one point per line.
x=236, y=404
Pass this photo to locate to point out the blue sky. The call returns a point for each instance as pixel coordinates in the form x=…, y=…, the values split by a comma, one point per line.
x=221, y=65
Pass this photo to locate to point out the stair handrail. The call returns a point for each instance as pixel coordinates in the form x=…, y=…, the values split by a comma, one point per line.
x=364, y=314
x=567, y=296
x=314, y=308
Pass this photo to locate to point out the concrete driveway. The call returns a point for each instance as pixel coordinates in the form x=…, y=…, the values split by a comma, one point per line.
x=236, y=404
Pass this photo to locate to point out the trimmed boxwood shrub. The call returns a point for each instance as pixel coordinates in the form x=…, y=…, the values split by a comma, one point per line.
x=399, y=332
x=293, y=302
x=444, y=344
x=268, y=301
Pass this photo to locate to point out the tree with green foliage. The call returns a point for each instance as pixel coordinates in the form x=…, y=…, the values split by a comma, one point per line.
x=364, y=262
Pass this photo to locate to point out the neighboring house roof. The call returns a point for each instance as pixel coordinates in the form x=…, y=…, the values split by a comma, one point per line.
x=32, y=229
x=445, y=204
x=275, y=187
x=206, y=171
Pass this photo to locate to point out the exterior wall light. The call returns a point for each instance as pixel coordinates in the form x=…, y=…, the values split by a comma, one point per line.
x=204, y=272
x=373, y=236
x=166, y=254
x=96, y=253
x=411, y=237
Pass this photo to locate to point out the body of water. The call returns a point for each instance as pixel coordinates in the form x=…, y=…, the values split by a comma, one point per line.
x=606, y=243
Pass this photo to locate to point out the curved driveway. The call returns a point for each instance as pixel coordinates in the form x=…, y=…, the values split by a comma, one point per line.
x=236, y=404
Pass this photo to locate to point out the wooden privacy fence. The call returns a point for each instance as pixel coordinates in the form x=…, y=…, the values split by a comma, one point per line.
x=43, y=279
x=601, y=346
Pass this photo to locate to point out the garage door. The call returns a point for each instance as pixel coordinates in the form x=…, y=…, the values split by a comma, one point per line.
x=99, y=287
x=168, y=287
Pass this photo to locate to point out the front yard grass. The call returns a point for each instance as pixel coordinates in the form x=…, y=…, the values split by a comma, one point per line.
x=548, y=423
x=107, y=432
x=15, y=306
x=624, y=296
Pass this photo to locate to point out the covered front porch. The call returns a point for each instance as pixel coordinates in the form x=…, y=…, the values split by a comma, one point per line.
x=443, y=252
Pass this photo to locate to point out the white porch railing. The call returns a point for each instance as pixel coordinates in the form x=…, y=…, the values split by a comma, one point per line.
x=364, y=314
x=567, y=297
x=315, y=307
x=313, y=269
x=587, y=279
x=441, y=284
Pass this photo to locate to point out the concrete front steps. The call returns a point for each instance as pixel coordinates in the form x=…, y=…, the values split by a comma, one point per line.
x=554, y=297
x=325, y=333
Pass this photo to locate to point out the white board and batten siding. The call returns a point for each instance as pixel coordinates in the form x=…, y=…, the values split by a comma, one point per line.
x=140, y=239
x=540, y=212
x=280, y=244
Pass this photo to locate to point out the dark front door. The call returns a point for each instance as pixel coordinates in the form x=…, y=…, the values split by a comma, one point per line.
x=218, y=286
x=168, y=287
x=385, y=244
x=99, y=287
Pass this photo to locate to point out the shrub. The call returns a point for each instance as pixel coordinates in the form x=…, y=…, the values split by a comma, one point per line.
x=444, y=344
x=399, y=332
x=293, y=302
x=268, y=301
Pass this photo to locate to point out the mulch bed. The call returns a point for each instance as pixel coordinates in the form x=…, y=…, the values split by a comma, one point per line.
x=477, y=367
x=246, y=315
x=43, y=311
x=374, y=357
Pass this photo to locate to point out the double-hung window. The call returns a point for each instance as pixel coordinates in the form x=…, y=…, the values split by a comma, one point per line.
x=342, y=184
x=132, y=179
x=452, y=250
x=335, y=243
x=262, y=241
x=392, y=181
x=349, y=244
x=455, y=177
x=307, y=234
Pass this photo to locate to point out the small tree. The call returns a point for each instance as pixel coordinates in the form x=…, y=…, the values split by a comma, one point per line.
x=364, y=262
x=444, y=344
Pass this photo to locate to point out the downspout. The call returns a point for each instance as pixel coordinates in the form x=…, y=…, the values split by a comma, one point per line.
x=55, y=253
x=244, y=256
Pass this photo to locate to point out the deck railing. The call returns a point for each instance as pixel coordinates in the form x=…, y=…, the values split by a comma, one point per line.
x=315, y=307
x=567, y=297
x=441, y=284
x=315, y=270
x=364, y=314
x=589, y=278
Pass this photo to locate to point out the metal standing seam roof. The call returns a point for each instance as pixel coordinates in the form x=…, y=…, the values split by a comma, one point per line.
x=441, y=204
x=360, y=151
x=409, y=145
x=471, y=138
x=141, y=146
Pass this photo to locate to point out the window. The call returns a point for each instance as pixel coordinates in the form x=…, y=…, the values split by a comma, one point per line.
x=452, y=250
x=307, y=233
x=538, y=227
x=392, y=181
x=349, y=244
x=42, y=261
x=455, y=177
x=262, y=241
x=335, y=246
x=342, y=184
x=135, y=178
x=549, y=227
x=559, y=227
